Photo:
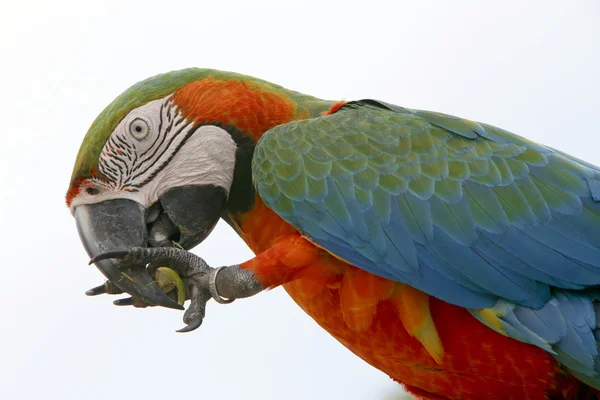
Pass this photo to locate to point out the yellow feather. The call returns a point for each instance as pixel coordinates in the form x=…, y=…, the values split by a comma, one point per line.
x=412, y=307
x=491, y=316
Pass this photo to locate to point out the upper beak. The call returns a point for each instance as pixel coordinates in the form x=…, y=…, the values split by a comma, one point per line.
x=117, y=225
x=189, y=213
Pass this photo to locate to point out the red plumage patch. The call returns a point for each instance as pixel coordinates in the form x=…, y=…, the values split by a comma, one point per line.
x=74, y=189
x=78, y=184
x=335, y=107
x=249, y=107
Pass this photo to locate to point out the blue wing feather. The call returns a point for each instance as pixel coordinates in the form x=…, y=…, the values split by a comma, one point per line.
x=464, y=211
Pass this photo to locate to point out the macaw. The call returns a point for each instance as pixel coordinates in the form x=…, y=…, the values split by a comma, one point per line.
x=458, y=258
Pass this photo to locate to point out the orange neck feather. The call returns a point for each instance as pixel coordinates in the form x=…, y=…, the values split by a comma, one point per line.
x=249, y=108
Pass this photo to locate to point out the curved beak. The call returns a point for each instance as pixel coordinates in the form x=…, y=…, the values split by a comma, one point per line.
x=186, y=214
x=117, y=225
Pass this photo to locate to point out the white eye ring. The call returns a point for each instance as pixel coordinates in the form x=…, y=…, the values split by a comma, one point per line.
x=139, y=128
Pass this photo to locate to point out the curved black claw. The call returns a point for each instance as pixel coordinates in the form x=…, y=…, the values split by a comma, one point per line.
x=106, y=288
x=95, y=291
x=192, y=326
x=109, y=254
x=127, y=301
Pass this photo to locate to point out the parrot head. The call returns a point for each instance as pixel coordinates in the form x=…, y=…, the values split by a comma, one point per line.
x=164, y=161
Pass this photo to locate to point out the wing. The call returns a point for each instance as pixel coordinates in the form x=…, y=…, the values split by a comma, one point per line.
x=464, y=211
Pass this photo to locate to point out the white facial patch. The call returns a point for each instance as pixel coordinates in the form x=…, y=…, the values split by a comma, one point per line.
x=154, y=148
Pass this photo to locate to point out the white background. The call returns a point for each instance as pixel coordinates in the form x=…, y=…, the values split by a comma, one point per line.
x=528, y=66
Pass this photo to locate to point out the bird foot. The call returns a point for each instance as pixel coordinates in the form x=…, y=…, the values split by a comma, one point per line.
x=194, y=277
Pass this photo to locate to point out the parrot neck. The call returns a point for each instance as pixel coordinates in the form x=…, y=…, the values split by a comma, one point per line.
x=248, y=105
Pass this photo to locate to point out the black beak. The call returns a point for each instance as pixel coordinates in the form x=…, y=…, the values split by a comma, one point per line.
x=185, y=214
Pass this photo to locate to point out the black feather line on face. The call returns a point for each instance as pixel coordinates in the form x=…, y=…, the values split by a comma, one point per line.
x=158, y=135
x=157, y=157
x=108, y=171
x=168, y=160
x=162, y=136
x=124, y=142
x=117, y=160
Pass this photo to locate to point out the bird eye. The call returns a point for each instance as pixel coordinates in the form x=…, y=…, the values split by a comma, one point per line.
x=139, y=128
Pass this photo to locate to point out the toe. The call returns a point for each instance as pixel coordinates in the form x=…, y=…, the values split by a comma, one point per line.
x=192, y=326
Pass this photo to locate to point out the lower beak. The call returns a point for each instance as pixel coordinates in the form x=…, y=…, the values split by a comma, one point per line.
x=194, y=211
x=118, y=225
